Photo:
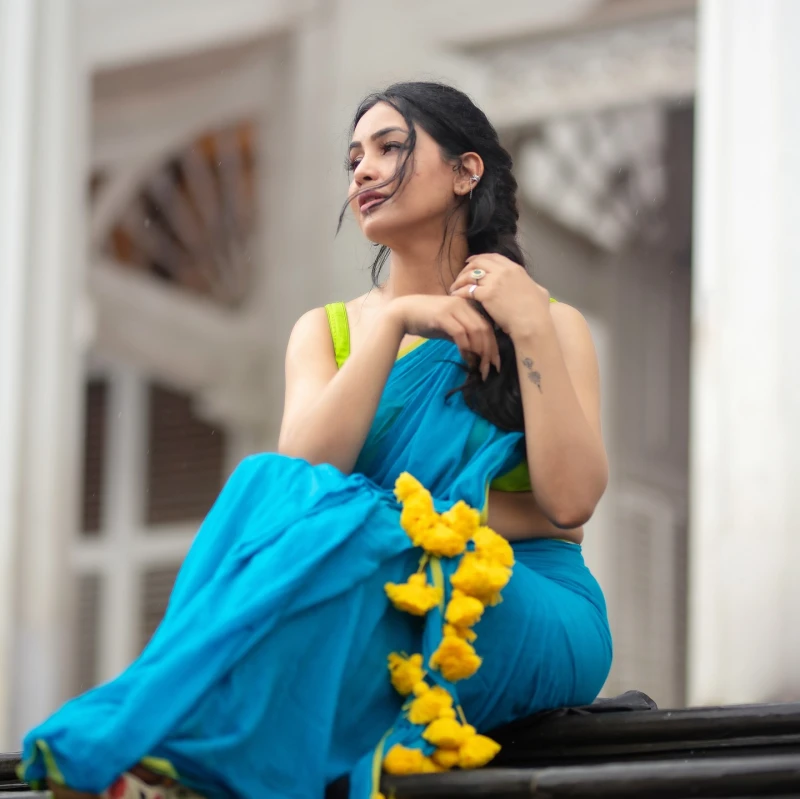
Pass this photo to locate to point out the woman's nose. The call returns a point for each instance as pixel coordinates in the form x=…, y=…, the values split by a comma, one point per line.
x=365, y=171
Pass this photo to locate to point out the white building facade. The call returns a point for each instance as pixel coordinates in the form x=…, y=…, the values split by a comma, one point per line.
x=170, y=187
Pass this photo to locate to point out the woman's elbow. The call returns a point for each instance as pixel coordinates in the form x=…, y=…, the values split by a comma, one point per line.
x=571, y=518
x=575, y=509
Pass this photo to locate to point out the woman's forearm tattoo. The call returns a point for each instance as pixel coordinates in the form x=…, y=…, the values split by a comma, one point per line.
x=534, y=376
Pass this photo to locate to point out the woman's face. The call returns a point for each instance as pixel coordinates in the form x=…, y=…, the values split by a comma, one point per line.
x=427, y=194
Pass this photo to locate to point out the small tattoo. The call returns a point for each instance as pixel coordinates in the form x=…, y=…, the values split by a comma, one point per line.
x=534, y=376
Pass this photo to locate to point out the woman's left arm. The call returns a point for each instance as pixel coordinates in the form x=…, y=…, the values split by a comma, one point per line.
x=560, y=387
x=560, y=384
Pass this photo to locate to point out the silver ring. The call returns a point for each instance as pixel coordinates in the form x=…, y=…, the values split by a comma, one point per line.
x=477, y=274
x=472, y=289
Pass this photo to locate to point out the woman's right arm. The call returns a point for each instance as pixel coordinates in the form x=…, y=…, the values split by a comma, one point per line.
x=328, y=411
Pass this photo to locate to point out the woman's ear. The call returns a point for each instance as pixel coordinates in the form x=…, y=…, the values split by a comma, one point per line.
x=468, y=173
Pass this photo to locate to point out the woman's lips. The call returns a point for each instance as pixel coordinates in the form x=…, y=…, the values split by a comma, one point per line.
x=368, y=206
x=370, y=201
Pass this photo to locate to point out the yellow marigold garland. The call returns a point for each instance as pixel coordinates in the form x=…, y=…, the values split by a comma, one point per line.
x=482, y=573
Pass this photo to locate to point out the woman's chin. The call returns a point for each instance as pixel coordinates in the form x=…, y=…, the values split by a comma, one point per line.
x=379, y=232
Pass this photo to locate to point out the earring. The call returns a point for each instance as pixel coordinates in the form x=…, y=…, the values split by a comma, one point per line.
x=474, y=180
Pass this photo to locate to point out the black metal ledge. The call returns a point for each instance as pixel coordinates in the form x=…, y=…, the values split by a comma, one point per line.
x=719, y=777
x=654, y=734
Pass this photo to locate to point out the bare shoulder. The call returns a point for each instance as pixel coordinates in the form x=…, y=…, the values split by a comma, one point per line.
x=569, y=322
x=574, y=336
x=310, y=328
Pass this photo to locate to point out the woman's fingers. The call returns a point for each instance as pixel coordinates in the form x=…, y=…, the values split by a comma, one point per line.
x=462, y=283
x=466, y=292
x=461, y=330
x=461, y=323
x=482, y=340
x=476, y=335
x=457, y=333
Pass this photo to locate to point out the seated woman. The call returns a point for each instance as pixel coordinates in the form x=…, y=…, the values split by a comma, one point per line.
x=452, y=398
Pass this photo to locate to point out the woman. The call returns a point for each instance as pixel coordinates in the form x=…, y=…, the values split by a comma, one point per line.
x=267, y=677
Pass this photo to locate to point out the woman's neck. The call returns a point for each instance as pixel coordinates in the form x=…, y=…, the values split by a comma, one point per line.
x=424, y=267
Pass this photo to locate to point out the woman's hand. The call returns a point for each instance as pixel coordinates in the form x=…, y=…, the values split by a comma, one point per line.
x=508, y=293
x=453, y=319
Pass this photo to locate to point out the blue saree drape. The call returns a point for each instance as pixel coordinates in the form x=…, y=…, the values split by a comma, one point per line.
x=267, y=677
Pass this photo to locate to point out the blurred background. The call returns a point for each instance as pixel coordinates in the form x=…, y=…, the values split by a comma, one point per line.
x=171, y=173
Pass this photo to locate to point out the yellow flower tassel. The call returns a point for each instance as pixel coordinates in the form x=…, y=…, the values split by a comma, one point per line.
x=476, y=752
x=404, y=760
x=445, y=758
x=440, y=540
x=429, y=705
x=415, y=596
x=455, y=659
x=462, y=520
x=459, y=745
x=463, y=610
x=490, y=545
x=417, y=517
x=480, y=577
x=460, y=632
x=405, y=672
x=447, y=733
x=407, y=486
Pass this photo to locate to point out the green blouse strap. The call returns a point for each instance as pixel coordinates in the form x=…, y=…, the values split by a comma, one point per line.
x=340, y=331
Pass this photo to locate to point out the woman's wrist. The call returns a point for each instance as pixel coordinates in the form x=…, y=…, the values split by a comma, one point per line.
x=532, y=329
x=395, y=315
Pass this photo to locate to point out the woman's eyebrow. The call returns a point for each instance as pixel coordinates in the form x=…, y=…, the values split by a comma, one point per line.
x=377, y=135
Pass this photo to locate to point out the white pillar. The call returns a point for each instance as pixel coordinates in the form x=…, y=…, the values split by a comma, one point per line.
x=16, y=98
x=43, y=197
x=744, y=609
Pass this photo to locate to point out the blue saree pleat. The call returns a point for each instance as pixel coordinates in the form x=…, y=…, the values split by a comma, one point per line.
x=267, y=677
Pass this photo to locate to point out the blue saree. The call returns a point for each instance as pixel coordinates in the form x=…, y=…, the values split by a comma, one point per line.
x=267, y=677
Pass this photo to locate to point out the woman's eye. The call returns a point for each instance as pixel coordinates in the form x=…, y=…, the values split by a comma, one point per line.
x=386, y=147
